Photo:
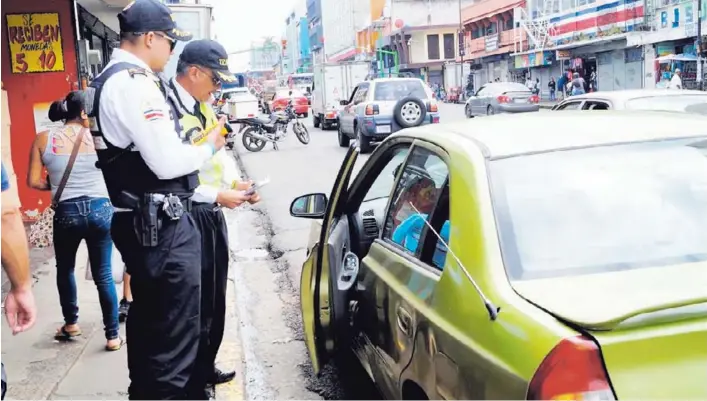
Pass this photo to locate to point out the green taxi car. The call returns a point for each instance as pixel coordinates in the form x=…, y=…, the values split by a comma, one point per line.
x=532, y=256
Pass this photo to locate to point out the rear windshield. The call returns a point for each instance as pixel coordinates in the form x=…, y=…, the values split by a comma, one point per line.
x=398, y=89
x=286, y=93
x=505, y=87
x=686, y=103
x=602, y=209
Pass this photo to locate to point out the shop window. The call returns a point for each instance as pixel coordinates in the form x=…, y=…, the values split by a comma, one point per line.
x=448, y=45
x=433, y=47
x=508, y=24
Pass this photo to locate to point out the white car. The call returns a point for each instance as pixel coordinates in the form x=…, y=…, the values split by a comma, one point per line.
x=687, y=101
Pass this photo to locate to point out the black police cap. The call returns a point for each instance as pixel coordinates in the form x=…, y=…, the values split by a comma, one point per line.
x=210, y=54
x=150, y=16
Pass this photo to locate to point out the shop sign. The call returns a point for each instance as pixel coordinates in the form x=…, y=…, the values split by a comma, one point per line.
x=537, y=59
x=563, y=55
x=35, y=42
x=491, y=42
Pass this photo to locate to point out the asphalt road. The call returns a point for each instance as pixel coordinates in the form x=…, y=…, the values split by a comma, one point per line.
x=269, y=248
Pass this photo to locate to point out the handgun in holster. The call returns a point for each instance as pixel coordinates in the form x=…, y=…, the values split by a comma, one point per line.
x=147, y=222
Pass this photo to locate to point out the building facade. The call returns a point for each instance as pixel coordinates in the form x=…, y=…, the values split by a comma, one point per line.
x=314, y=25
x=491, y=36
x=71, y=42
x=340, y=22
x=264, y=55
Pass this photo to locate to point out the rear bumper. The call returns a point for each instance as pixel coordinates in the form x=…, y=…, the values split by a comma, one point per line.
x=380, y=127
x=517, y=108
x=302, y=109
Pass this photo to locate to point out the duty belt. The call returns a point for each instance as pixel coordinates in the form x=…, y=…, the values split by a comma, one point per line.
x=151, y=210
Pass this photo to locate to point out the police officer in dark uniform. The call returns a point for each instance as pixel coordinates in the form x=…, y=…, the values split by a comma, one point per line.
x=151, y=175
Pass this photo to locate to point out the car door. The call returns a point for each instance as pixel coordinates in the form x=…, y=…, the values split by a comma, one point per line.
x=474, y=101
x=398, y=282
x=347, y=113
x=320, y=308
x=483, y=99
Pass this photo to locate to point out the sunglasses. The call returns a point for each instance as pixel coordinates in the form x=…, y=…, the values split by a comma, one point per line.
x=172, y=42
x=214, y=79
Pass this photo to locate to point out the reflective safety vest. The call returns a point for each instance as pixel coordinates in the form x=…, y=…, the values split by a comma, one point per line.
x=211, y=172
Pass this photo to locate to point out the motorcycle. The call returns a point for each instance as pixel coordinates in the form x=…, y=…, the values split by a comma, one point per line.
x=257, y=132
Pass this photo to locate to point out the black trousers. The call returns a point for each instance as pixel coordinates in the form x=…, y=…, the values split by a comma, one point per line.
x=163, y=324
x=214, y=279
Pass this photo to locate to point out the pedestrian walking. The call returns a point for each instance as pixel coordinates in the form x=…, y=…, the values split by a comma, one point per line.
x=578, y=84
x=151, y=174
x=82, y=212
x=202, y=69
x=20, y=309
x=676, y=80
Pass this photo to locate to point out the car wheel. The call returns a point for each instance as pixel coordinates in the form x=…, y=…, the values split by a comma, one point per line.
x=344, y=140
x=364, y=143
x=467, y=111
x=316, y=120
x=490, y=111
x=306, y=115
x=410, y=112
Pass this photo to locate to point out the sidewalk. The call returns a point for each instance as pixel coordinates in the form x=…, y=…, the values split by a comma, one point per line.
x=39, y=367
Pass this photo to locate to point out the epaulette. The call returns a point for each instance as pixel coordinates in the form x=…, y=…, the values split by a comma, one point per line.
x=137, y=71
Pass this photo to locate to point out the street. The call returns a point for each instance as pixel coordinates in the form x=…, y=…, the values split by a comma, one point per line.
x=269, y=247
x=263, y=339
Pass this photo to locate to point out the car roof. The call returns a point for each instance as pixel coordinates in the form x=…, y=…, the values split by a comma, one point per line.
x=627, y=94
x=507, y=135
x=393, y=79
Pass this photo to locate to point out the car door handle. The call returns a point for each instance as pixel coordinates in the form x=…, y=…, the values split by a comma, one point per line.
x=404, y=321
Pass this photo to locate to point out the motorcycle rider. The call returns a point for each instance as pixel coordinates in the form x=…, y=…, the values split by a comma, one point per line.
x=201, y=69
x=150, y=175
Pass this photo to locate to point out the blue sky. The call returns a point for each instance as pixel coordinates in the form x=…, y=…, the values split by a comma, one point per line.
x=239, y=22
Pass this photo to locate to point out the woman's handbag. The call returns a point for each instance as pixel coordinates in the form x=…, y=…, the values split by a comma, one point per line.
x=42, y=231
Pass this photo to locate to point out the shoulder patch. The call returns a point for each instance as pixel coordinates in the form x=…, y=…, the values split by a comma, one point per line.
x=137, y=71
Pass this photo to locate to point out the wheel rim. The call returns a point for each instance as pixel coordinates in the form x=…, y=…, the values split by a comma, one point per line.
x=490, y=112
x=468, y=110
x=411, y=112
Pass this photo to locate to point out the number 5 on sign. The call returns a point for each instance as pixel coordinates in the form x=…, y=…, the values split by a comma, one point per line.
x=35, y=42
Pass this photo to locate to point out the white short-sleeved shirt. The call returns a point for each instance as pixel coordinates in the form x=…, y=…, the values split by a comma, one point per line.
x=134, y=110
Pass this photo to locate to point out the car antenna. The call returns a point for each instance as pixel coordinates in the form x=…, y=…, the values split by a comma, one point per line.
x=490, y=307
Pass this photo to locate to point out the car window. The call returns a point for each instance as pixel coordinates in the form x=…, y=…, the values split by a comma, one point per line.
x=602, y=209
x=685, y=103
x=436, y=255
x=398, y=89
x=481, y=91
x=595, y=105
x=570, y=106
x=361, y=94
x=383, y=184
x=421, y=186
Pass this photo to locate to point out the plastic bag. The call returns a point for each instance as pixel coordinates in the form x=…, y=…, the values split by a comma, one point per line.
x=116, y=265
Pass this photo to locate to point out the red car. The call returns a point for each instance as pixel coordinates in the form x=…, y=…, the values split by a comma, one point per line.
x=299, y=101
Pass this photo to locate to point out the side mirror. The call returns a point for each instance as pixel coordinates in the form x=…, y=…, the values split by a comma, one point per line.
x=310, y=206
x=344, y=102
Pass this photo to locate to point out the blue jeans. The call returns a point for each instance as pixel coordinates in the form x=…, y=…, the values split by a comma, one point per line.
x=89, y=219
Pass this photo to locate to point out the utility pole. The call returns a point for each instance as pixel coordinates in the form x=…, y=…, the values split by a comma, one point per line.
x=462, y=51
x=698, y=45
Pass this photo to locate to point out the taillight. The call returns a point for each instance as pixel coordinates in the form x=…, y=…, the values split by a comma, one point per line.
x=503, y=99
x=433, y=107
x=534, y=99
x=330, y=115
x=573, y=370
x=372, y=109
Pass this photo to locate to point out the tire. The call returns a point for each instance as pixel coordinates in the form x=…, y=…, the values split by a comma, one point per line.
x=364, y=143
x=301, y=132
x=316, y=120
x=467, y=111
x=490, y=111
x=344, y=140
x=306, y=115
x=410, y=112
x=250, y=143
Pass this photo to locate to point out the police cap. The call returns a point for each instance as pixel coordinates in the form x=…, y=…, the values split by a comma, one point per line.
x=142, y=16
x=210, y=54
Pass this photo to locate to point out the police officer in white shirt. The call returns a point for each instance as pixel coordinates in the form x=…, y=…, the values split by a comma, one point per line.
x=151, y=175
x=202, y=69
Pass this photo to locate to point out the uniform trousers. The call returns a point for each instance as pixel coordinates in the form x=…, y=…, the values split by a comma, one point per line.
x=163, y=324
x=214, y=278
